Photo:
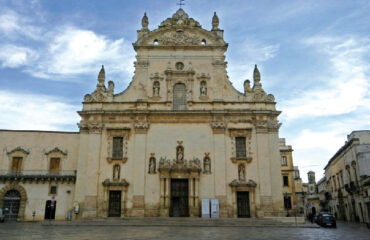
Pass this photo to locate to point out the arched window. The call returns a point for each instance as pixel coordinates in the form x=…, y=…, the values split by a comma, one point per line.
x=204, y=42
x=179, y=97
x=155, y=42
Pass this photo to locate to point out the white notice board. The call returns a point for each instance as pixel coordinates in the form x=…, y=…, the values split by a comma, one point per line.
x=205, y=208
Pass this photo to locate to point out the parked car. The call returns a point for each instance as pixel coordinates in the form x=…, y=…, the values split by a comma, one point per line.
x=327, y=220
x=2, y=217
x=316, y=218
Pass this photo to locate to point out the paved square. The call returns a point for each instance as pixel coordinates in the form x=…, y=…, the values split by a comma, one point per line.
x=10, y=231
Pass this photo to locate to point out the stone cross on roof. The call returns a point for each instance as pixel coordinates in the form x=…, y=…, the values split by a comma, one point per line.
x=181, y=3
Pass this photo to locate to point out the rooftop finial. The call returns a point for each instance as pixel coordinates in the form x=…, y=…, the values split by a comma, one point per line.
x=145, y=22
x=181, y=3
x=215, y=22
x=101, y=76
x=256, y=74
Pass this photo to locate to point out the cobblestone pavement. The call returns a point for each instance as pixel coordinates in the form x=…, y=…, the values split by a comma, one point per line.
x=10, y=231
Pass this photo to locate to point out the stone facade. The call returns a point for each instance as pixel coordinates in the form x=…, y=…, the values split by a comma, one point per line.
x=180, y=124
x=347, y=179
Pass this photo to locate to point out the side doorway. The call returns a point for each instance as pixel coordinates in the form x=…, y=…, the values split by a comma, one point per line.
x=11, y=204
x=114, y=204
x=243, y=204
x=50, y=210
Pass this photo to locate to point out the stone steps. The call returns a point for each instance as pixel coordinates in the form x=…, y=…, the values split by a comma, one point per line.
x=175, y=222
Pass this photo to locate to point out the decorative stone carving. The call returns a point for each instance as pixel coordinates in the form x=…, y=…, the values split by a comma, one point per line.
x=116, y=172
x=156, y=89
x=56, y=150
x=116, y=132
x=247, y=87
x=206, y=163
x=90, y=126
x=19, y=149
x=270, y=124
x=179, y=152
x=152, y=164
x=238, y=183
x=184, y=166
x=145, y=22
x=179, y=38
x=120, y=183
x=215, y=22
x=247, y=133
x=141, y=125
x=241, y=172
x=142, y=63
x=203, y=88
x=179, y=19
x=101, y=94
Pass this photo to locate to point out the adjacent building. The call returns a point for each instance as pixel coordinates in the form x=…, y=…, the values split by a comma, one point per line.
x=292, y=183
x=348, y=179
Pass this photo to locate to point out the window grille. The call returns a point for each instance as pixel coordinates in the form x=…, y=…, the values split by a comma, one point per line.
x=179, y=97
x=117, y=148
x=240, y=147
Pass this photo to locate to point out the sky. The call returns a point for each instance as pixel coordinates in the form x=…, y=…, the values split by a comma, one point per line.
x=314, y=56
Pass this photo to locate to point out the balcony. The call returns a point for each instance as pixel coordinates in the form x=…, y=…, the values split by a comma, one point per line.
x=37, y=176
x=351, y=188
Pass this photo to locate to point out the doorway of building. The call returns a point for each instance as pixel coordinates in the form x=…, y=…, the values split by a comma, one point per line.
x=179, y=198
x=11, y=203
x=114, y=204
x=50, y=210
x=243, y=204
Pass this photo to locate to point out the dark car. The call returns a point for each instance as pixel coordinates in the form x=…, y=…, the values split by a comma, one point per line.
x=327, y=220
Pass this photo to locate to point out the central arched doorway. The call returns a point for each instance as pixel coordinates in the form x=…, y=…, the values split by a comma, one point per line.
x=11, y=204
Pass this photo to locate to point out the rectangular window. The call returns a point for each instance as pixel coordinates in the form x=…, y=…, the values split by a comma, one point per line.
x=286, y=180
x=53, y=189
x=287, y=203
x=240, y=147
x=54, y=164
x=284, y=161
x=17, y=164
x=117, y=148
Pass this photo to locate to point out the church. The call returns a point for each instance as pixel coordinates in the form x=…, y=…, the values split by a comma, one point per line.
x=178, y=135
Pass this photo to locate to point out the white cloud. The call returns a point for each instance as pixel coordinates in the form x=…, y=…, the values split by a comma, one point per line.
x=344, y=87
x=13, y=56
x=74, y=51
x=14, y=26
x=250, y=52
x=36, y=112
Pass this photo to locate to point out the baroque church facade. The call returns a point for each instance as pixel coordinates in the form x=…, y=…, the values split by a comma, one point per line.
x=178, y=134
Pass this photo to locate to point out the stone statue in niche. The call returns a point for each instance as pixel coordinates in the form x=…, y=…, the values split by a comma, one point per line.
x=116, y=172
x=152, y=165
x=203, y=88
x=241, y=171
x=207, y=164
x=156, y=88
x=180, y=154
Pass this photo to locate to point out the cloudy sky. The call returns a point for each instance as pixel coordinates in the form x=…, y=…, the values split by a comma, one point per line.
x=314, y=56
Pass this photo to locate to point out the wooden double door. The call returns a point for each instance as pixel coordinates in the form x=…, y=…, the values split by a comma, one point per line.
x=243, y=204
x=179, y=198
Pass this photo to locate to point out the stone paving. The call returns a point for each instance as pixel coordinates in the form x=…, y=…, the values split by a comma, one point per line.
x=29, y=231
